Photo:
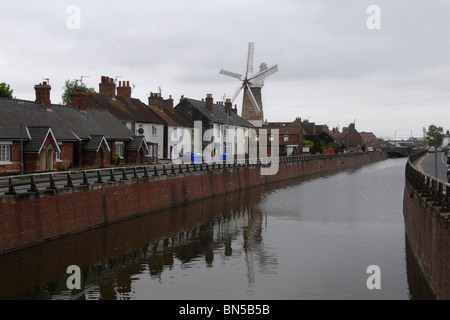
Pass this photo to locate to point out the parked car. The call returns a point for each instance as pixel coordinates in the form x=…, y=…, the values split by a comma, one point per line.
x=431, y=149
x=191, y=157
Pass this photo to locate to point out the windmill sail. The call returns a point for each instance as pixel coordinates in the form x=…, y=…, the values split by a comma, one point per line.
x=252, y=109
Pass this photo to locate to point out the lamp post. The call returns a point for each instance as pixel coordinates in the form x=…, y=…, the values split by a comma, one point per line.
x=435, y=157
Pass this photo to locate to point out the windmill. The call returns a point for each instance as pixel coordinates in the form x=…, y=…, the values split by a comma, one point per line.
x=252, y=104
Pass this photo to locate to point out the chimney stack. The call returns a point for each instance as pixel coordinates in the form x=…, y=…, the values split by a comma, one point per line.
x=228, y=106
x=168, y=104
x=78, y=99
x=155, y=100
x=209, y=102
x=107, y=87
x=124, y=90
x=43, y=94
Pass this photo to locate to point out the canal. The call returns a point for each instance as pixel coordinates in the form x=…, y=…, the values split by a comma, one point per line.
x=299, y=240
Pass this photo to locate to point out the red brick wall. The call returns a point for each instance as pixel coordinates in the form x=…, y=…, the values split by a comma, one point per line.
x=428, y=234
x=34, y=218
x=14, y=167
x=66, y=155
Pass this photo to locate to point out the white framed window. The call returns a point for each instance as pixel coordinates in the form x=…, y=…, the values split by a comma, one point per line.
x=128, y=124
x=154, y=130
x=119, y=149
x=286, y=137
x=5, y=152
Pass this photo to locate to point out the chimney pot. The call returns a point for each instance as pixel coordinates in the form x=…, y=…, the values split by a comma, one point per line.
x=124, y=90
x=43, y=94
x=107, y=87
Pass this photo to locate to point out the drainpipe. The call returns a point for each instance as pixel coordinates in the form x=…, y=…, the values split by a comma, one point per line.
x=21, y=148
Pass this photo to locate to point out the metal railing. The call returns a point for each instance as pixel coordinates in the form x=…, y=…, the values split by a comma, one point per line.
x=14, y=184
x=433, y=190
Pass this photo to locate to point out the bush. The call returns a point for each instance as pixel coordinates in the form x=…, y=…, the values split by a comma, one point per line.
x=115, y=159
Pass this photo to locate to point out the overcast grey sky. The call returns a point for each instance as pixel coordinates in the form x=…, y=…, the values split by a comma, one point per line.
x=333, y=68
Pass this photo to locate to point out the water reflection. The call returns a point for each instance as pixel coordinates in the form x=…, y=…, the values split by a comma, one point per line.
x=112, y=257
x=300, y=239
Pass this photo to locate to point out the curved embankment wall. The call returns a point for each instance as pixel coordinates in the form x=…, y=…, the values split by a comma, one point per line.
x=40, y=216
x=427, y=226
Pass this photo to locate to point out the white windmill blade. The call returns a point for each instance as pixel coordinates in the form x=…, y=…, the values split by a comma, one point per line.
x=264, y=74
x=231, y=74
x=236, y=94
x=252, y=98
x=250, y=54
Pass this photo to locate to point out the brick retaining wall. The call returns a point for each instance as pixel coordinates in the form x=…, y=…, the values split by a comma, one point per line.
x=40, y=216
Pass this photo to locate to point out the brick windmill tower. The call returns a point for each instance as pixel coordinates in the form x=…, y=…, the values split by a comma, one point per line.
x=252, y=109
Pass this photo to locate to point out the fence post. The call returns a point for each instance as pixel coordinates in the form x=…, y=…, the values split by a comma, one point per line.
x=111, y=175
x=69, y=181
x=33, y=187
x=11, y=190
x=52, y=183
x=99, y=177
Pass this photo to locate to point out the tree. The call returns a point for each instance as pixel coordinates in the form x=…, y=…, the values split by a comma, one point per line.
x=435, y=135
x=5, y=91
x=71, y=86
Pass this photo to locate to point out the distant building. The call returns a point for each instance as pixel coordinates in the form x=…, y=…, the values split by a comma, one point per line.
x=175, y=124
x=220, y=117
x=369, y=140
x=131, y=112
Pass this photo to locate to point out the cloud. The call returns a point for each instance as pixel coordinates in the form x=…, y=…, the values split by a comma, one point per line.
x=329, y=61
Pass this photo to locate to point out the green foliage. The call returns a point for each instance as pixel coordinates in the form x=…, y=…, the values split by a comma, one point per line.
x=339, y=147
x=115, y=159
x=307, y=143
x=435, y=135
x=71, y=86
x=317, y=146
x=6, y=91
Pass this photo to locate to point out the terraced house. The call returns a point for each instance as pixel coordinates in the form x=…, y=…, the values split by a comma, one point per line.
x=38, y=136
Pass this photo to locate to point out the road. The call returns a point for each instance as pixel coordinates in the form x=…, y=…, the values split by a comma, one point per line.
x=427, y=165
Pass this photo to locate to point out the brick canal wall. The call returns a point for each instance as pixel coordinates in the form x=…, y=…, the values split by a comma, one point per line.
x=427, y=226
x=35, y=217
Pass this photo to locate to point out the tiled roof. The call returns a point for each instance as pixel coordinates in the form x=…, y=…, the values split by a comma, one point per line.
x=38, y=137
x=30, y=113
x=136, y=143
x=218, y=115
x=67, y=123
x=95, y=143
x=123, y=109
